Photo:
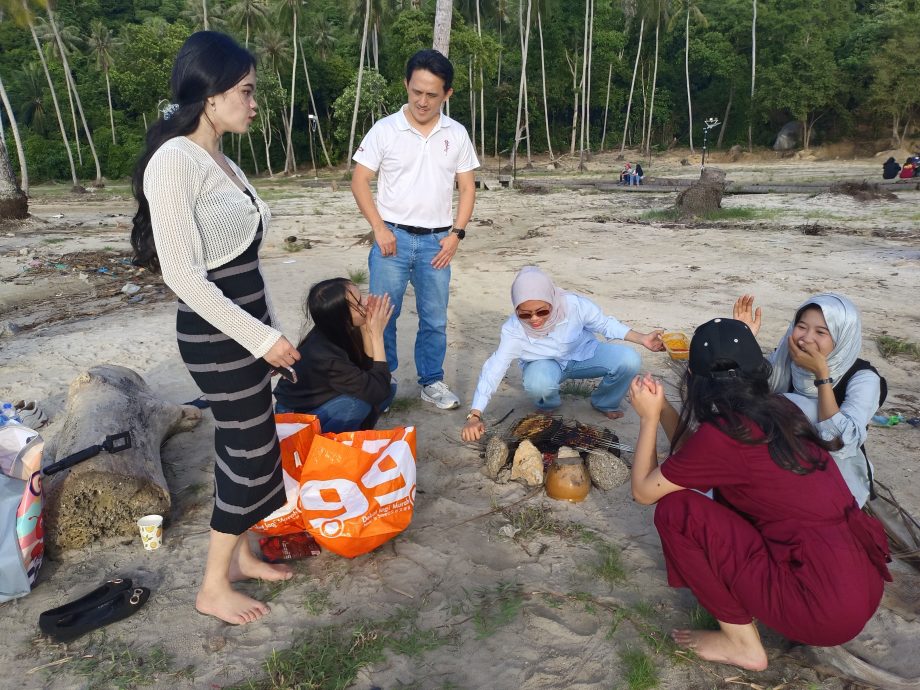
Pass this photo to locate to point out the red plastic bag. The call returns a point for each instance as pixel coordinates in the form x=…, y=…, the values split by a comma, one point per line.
x=357, y=489
x=295, y=433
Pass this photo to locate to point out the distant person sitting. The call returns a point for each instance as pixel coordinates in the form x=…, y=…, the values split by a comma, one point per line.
x=626, y=173
x=909, y=169
x=637, y=175
x=890, y=169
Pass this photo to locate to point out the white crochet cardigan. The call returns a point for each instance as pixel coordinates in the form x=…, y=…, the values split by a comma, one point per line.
x=202, y=220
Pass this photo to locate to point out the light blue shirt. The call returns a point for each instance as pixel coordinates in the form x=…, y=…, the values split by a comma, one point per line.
x=849, y=425
x=571, y=340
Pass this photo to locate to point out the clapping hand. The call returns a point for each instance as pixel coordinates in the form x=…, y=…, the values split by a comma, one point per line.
x=646, y=395
x=744, y=311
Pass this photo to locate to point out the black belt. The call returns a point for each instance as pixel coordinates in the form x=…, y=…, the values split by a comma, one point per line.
x=416, y=230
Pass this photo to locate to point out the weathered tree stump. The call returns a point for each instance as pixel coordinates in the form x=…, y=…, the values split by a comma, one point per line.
x=703, y=196
x=105, y=495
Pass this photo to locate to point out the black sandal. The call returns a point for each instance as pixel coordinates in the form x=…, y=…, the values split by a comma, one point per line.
x=113, y=601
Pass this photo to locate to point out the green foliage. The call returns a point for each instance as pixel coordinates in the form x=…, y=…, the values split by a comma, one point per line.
x=890, y=347
x=142, y=66
x=374, y=98
x=639, y=671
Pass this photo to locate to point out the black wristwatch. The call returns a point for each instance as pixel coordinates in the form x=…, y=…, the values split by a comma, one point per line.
x=459, y=232
x=824, y=382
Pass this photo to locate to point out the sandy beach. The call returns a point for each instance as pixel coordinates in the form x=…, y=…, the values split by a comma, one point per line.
x=492, y=585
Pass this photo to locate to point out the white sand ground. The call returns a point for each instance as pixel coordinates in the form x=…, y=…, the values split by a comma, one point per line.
x=647, y=273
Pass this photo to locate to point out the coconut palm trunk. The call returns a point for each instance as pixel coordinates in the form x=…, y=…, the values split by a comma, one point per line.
x=289, y=165
x=354, y=114
x=651, y=108
x=20, y=152
x=584, y=89
x=632, y=85
x=76, y=94
x=443, y=14
x=319, y=129
x=77, y=187
x=549, y=139
x=606, y=105
x=517, y=126
x=14, y=204
x=753, y=77
x=687, y=75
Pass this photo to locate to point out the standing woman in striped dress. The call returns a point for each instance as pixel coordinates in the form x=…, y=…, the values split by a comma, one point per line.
x=201, y=223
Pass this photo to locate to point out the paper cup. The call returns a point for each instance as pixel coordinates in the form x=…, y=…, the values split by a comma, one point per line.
x=151, y=527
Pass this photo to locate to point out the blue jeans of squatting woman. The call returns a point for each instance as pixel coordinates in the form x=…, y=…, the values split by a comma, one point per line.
x=343, y=413
x=616, y=365
x=392, y=275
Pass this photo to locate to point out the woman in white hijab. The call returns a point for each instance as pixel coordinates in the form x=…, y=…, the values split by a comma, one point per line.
x=819, y=350
x=552, y=333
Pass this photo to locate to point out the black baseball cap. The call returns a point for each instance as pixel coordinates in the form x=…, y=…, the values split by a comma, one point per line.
x=724, y=340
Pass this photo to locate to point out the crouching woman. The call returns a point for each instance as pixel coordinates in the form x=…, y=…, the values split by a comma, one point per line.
x=784, y=541
x=342, y=376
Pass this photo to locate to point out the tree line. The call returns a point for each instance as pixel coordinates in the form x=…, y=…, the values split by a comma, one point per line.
x=81, y=80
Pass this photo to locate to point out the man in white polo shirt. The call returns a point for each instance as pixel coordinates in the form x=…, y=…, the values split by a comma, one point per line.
x=417, y=154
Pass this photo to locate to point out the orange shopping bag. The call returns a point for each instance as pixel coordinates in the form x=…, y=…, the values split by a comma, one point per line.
x=357, y=489
x=295, y=433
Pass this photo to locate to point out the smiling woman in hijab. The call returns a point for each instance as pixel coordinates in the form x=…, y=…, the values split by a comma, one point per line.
x=817, y=366
x=552, y=333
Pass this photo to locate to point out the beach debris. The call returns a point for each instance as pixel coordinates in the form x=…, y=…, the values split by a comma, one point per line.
x=508, y=531
x=130, y=288
x=606, y=470
x=527, y=464
x=862, y=191
x=104, y=495
x=497, y=454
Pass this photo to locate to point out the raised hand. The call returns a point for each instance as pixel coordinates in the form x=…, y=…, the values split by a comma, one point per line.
x=744, y=311
x=379, y=311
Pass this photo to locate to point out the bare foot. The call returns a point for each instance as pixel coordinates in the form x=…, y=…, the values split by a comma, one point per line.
x=612, y=414
x=230, y=606
x=717, y=646
x=245, y=566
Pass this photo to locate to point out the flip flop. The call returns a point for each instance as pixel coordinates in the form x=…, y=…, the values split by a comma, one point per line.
x=201, y=403
x=113, y=601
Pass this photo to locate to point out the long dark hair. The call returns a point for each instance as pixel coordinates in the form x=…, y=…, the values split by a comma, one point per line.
x=729, y=402
x=208, y=64
x=329, y=306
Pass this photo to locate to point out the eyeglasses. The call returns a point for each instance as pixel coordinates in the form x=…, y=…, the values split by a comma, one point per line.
x=539, y=313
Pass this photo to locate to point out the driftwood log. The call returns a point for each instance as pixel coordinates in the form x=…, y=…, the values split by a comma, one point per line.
x=703, y=196
x=105, y=495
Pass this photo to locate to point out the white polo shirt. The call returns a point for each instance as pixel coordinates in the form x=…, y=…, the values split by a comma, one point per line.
x=415, y=174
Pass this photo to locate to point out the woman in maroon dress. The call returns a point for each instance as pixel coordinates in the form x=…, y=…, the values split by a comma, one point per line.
x=783, y=540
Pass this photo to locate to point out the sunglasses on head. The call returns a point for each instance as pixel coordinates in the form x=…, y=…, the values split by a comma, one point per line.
x=539, y=313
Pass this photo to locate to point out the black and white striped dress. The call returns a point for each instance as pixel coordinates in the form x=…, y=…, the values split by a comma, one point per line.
x=248, y=484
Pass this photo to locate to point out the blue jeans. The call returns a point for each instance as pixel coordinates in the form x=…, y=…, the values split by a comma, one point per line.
x=343, y=413
x=617, y=364
x=391, y=275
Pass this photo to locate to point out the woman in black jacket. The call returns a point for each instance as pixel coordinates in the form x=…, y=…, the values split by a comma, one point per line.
x=342, y=376
x=890, y=169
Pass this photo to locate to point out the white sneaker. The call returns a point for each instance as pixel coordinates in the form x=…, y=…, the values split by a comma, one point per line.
x=439, y=394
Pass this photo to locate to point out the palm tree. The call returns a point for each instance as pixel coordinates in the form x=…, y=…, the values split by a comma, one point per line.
x=632, y=84
x=354, y=114
x=101, y=43
x=660, y=10
x=689, y=7
x=13, y=202
x=76, y=94
x=72, y=41
x=319, y=128
x=753, y=75
x=20, y=152
x=549, y=141
x=273, y=45
x=525, y=40
x=248, y=16
x=324, y=36
x=29, y=20
x=289, y=12
x=443, y=14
